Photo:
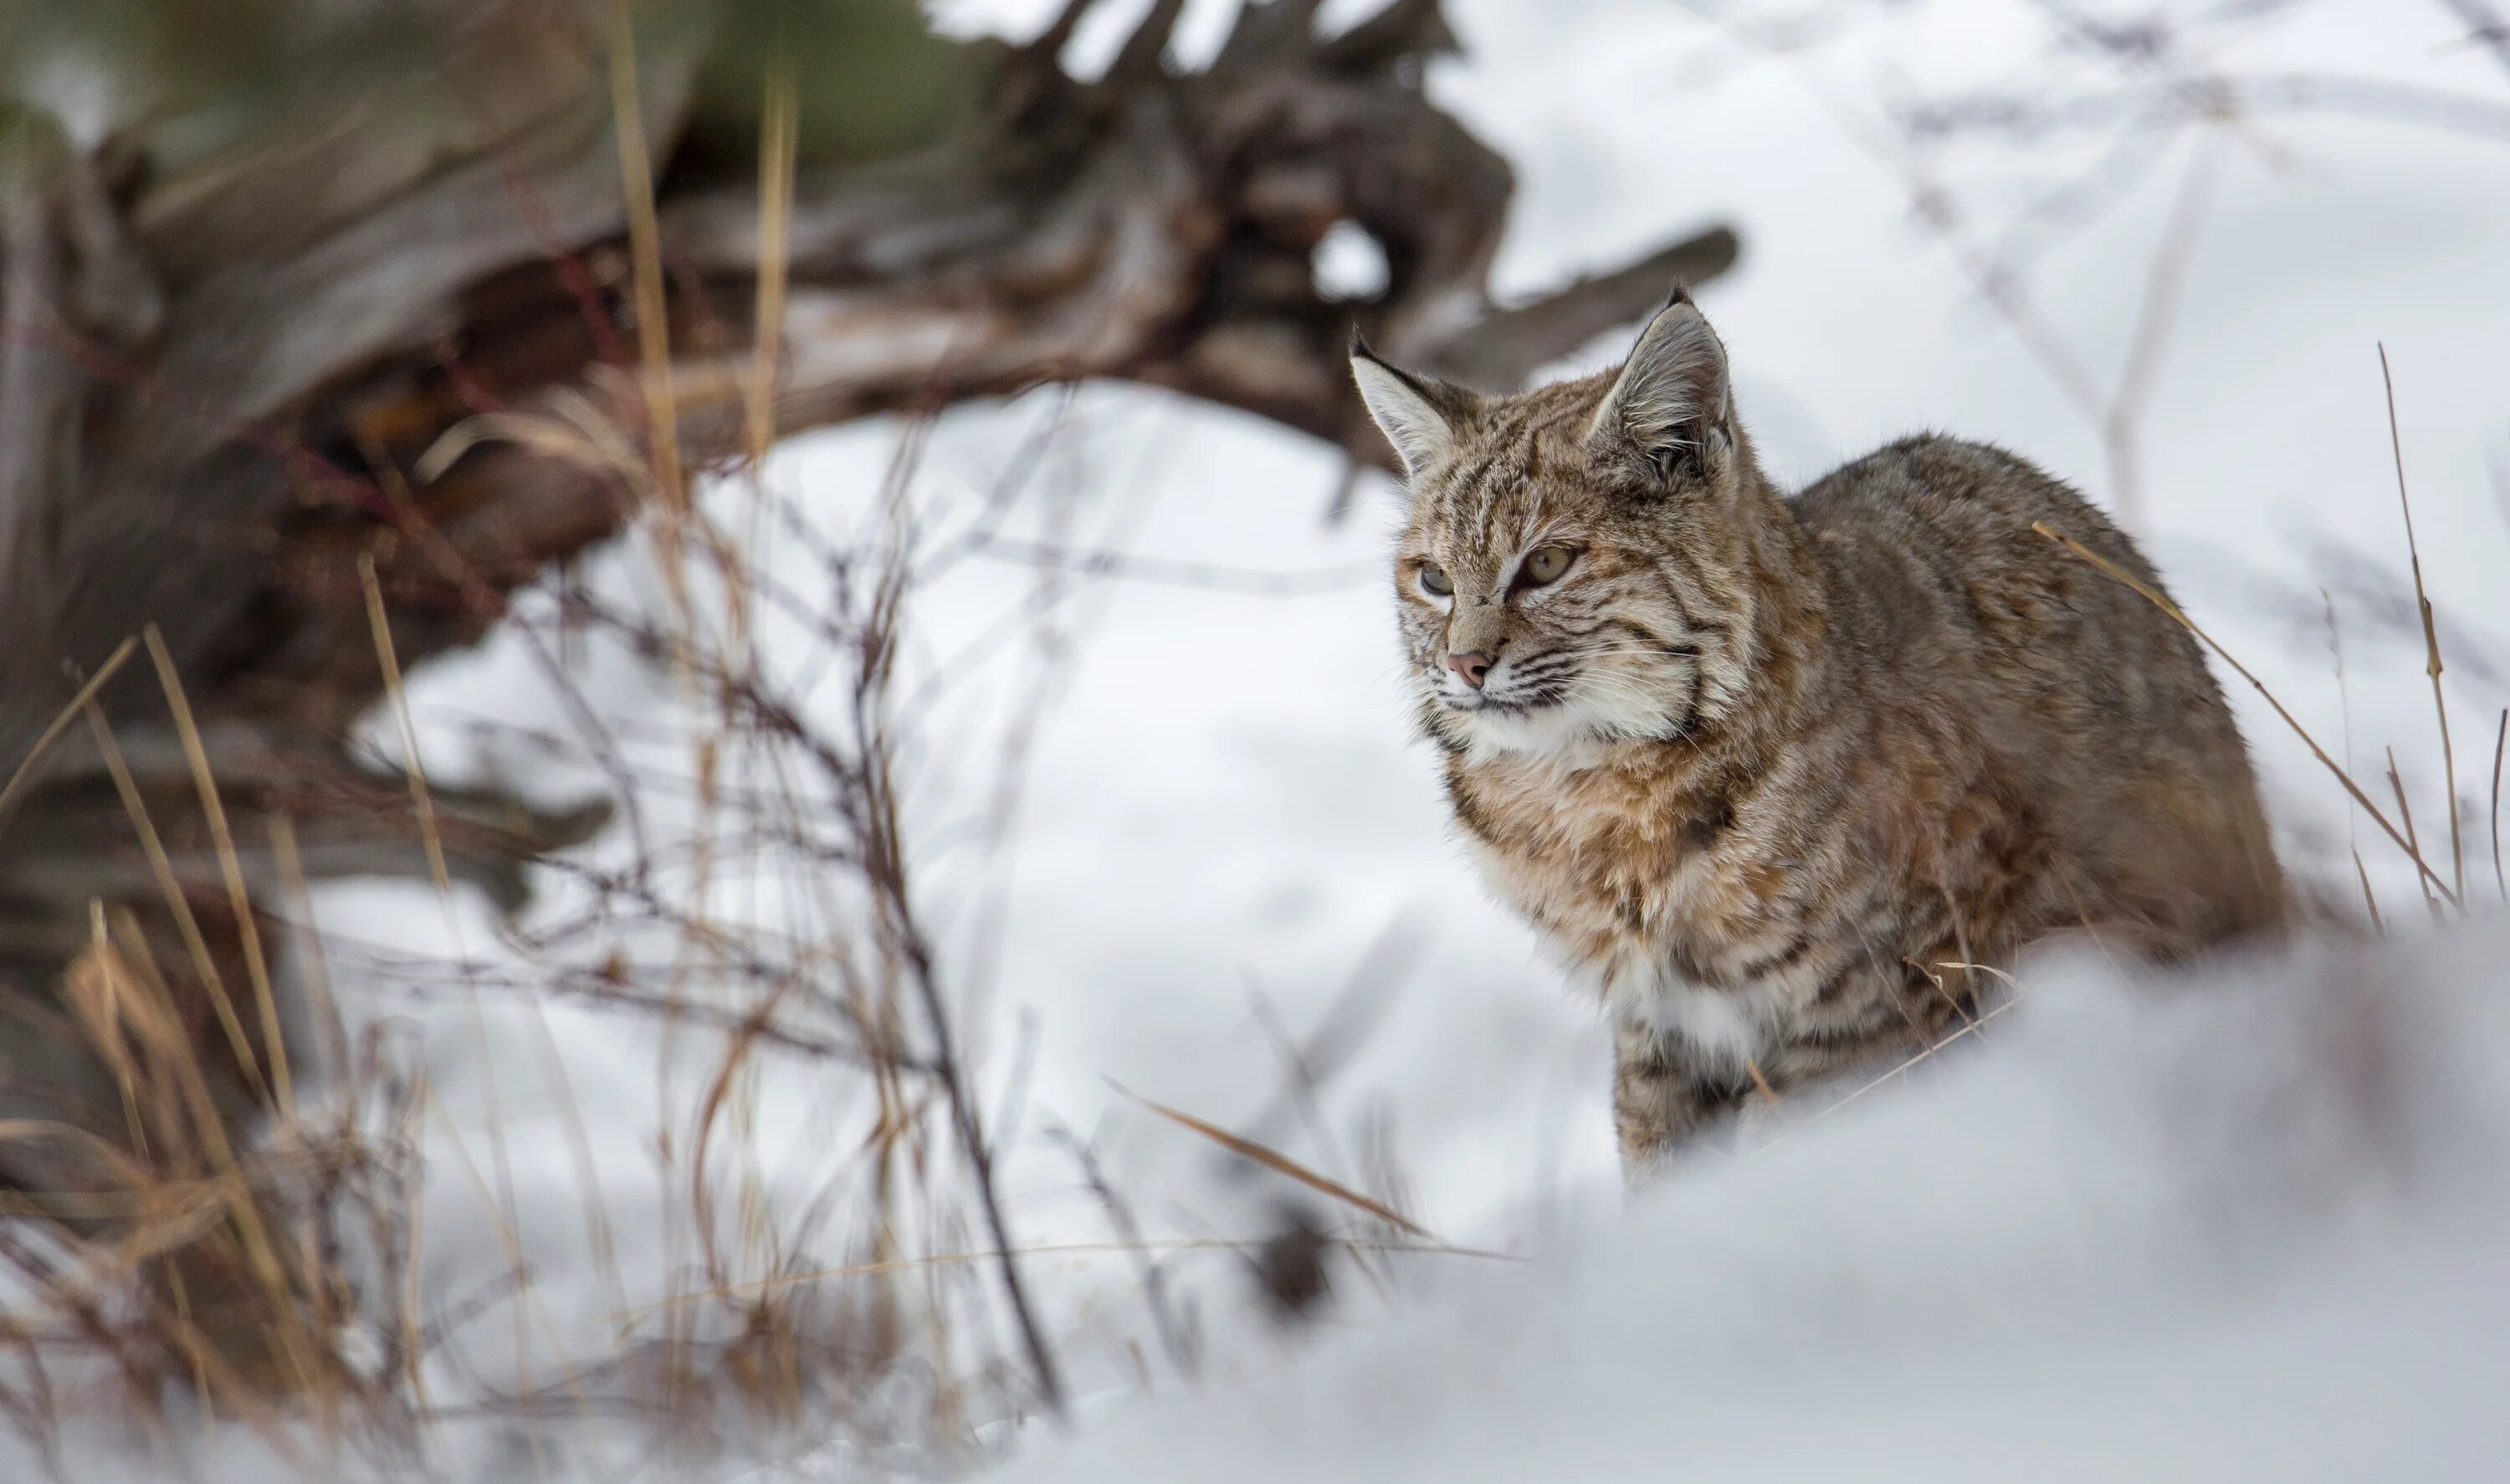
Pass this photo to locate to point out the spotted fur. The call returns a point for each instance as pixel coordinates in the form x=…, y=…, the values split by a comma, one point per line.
x=1787, y=780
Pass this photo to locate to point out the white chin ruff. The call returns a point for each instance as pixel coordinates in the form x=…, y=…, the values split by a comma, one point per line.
x=1579, y=721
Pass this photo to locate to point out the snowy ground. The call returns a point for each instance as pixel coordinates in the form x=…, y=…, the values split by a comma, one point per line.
x=2243, y=1229
x=2142, y=1234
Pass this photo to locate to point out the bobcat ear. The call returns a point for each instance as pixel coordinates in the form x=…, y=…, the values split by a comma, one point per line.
x=1671, y=400
x=1419, y=415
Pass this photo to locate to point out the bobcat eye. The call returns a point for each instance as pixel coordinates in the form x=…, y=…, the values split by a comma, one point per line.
x=1434, y=578
x=1543, y=565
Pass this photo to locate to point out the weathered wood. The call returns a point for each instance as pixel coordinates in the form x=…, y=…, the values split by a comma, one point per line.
x=393, y=322
x=338, y=297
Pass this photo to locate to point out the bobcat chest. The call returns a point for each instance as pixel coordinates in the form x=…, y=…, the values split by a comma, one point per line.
x=1651, y=882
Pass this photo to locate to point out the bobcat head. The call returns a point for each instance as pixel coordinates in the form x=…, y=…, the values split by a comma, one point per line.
x=1579, y=562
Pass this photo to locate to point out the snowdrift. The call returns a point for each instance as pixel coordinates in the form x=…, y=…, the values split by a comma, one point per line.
x=2246, y=1224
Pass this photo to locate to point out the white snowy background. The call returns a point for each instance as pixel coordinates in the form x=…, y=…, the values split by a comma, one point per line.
x=2251, y=1231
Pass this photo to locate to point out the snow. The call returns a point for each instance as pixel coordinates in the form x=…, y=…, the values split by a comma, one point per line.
x=2244, y=1225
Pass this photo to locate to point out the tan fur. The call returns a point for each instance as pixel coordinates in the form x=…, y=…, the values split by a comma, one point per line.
x=1769, y=773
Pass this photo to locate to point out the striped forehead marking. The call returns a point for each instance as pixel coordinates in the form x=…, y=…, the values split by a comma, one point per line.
x=1502, y=479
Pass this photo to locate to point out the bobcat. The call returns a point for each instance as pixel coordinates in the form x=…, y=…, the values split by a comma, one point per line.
x=1790, y=780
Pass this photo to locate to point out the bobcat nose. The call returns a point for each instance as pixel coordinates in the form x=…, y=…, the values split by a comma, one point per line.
x=1472, y=665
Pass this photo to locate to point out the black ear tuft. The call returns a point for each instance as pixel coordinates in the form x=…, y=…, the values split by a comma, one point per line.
x=1681, y=295
x=1420, y=415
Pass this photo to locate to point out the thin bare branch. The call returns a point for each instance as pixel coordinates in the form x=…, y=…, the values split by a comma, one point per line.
x=2486, y=27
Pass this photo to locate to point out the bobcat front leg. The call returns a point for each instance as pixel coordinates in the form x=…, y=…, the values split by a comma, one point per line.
x=1662, y=1100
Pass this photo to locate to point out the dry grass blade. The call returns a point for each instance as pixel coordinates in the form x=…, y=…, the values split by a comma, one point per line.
x=2501, y=738
x=1974, y=1028
x=19, y=781
x=2154, y=597
x=777, y=130
x=1761, y=1080
x=653, y=311
x=1281, y=1163
x=231, y=868
x=2368, y=901
x=422, y=799
x=2011, y=984
x=2406, y=812
x=178, y=907
x=129, y=1016
x=2431, y=634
